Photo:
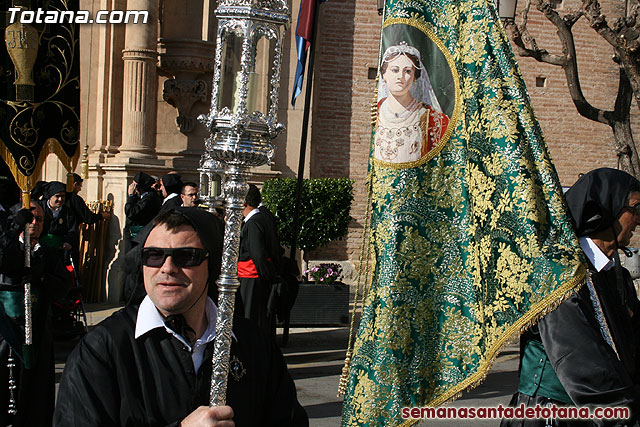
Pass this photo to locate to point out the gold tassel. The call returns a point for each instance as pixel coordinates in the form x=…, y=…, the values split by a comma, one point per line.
x=342, y=385
x=26, y=199
x=84, y=168
x=364, y=258
x=69, y=181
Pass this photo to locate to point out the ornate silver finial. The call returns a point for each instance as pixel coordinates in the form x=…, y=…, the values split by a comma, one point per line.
x=243, y=120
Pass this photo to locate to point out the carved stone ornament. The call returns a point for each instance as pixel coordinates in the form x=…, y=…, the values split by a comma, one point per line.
x=182, y=94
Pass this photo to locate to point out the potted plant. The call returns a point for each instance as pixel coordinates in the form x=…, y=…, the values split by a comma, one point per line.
x=324, y=274
x=323, y=299
x=324, y=216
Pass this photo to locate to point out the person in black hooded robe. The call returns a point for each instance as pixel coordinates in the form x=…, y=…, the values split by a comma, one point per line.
x=60, y=228
x=258, y=261
x=150, y=365
x=83, y=214
x=585, y=353
x=143, y=203
x=171, y=187
x=33, y=371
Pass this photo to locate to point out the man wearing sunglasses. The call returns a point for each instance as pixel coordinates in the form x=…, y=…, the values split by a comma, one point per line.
x=151, y=364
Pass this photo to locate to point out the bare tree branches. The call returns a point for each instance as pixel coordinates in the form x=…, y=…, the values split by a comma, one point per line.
x=623, y=36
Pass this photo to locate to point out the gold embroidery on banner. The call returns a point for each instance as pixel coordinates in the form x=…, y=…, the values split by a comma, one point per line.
x=467, y=251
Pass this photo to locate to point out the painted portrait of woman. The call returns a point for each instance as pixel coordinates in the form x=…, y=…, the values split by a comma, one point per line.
x=410, y=120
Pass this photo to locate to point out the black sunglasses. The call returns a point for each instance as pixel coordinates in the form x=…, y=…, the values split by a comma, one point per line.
x=635, y=208
x=181, y=257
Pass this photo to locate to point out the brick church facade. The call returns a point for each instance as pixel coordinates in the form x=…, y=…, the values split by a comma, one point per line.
x=131, y=78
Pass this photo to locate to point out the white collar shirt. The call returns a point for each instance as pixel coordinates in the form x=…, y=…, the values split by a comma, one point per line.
x=55, y=212
x=250, y=214
x=596, y=257
x=170, y=196
x=35, y=247
x=149, y=318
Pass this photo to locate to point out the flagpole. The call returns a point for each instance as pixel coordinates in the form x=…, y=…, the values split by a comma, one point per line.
x=305, y=129
x=303, y=151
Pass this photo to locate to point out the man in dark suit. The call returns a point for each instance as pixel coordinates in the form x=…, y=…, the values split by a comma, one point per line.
x=258, y=260
x=143, y=203
x=79, y=207
x=171, y=186
x=60, y=229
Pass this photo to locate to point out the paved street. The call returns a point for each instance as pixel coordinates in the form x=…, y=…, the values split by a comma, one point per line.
x=315, y=358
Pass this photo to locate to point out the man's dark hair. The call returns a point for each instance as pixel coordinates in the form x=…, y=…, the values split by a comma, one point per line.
x=253, y=198
x=634, y=187
x=77, y=179
x=171, y=219
x=172, y=183
x=189, y=184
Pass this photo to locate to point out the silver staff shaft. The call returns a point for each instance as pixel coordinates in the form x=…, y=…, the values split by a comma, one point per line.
x=235, y=192
x=28, y=339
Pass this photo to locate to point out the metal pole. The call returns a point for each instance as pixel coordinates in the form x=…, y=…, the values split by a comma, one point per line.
x=305, y=131
x=28, y=329
x=240, y=139
x=236, y=188
x=28, y=333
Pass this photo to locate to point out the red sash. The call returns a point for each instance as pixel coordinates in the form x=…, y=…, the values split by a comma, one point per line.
x=247, y=269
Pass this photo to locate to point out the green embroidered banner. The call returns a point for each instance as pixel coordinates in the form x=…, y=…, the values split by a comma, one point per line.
x=469, y=234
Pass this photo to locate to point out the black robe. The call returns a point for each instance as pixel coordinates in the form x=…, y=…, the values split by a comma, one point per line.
x=259, y=243
x=174, y=202
x=112, y=379
x=140, y=210
x=80, y=209
x=586, y=365
x=34, y=395
x=64, y=226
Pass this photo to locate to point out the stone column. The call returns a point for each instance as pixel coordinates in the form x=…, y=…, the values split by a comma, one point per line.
x=139, y=101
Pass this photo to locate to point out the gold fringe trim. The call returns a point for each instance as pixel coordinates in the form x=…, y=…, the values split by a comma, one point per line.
x=364, y=265
x=550, y=303
x=51, y=145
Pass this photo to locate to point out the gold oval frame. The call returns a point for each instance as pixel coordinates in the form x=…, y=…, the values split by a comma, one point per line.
x=453, y=120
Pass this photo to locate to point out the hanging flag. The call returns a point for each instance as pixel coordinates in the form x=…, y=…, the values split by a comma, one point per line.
x=39, y=114
x=469, y=237
x=304, y=36
x=39, y=91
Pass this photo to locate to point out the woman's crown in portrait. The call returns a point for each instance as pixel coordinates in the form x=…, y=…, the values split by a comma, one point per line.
x=401, y=48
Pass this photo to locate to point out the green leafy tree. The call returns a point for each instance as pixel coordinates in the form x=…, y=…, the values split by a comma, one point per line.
x=324, y=213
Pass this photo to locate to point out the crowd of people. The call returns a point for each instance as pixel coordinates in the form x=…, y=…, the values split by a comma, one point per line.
x=150, y=363
x=51, y=226
x=164, y=335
